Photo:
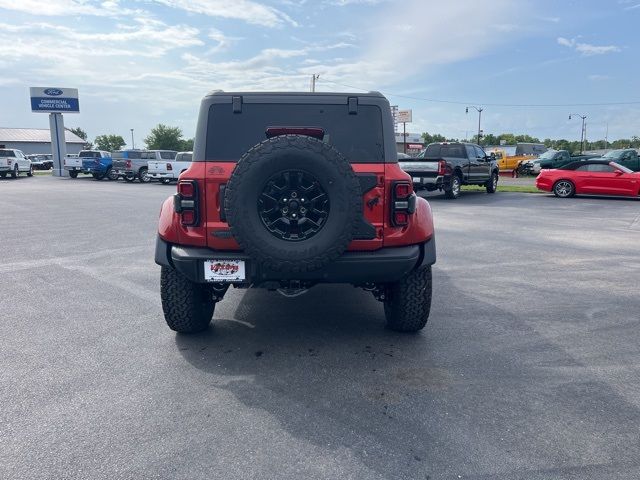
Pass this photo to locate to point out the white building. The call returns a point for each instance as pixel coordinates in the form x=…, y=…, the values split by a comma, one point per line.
x=36, y=140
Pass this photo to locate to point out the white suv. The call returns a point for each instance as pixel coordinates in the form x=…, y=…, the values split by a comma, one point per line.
x=14, y=162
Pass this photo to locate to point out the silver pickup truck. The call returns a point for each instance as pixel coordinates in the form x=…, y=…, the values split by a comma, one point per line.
x=132, y=164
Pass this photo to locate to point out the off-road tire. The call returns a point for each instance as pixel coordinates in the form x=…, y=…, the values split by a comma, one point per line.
x=188, y=307
x=73, y=174
x=143, y=175
x=15, y=172
x=492, y=183
x=30, y=172
x=408, y=301
x=332, y=172
x=452, y=191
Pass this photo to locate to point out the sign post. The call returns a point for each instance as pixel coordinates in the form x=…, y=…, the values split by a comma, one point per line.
x=404, y=117
x=55, y=102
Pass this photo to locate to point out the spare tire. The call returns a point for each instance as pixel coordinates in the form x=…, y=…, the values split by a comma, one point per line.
x=293, y=203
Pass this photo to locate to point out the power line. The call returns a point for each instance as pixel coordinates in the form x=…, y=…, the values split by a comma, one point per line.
x=454, y=102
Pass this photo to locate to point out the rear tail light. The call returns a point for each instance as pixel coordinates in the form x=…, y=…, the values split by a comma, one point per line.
x=169, y=167
x=442, y=167
x=185, y=202
x=402, y=190
x=401, y=218
x=187, y=188
x=128, y=164
x=403, y=203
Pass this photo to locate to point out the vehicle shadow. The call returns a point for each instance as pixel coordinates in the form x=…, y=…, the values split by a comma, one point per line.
x=324, y=365
x=594, y=197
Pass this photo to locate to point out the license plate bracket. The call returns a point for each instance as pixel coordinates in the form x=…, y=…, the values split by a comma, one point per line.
x=218, y=270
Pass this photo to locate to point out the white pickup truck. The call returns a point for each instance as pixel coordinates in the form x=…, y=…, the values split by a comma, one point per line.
x=73, y=164
x=166, y=171
x=14, y=162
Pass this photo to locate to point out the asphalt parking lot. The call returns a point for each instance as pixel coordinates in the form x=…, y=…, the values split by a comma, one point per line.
x=529, y=367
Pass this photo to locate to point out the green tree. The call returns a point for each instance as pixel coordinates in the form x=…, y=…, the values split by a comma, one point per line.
x=109, y=143
x=83, y=135
x=163, y=137
x=436, y=137
x=187, y=145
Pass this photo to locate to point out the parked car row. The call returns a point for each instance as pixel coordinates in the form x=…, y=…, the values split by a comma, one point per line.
x=131, y=165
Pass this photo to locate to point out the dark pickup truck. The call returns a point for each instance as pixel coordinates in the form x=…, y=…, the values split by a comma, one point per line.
x=448, y=166
x=627, y=157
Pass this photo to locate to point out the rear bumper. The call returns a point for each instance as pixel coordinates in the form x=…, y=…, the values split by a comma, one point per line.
x=170, y=175
x=5, y=169
x=385, y=265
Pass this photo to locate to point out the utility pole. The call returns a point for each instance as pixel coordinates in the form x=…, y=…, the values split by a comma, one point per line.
x=314, y=77
x=133, y=144
x=582, y=133
x=479, y=110
x=606, y=137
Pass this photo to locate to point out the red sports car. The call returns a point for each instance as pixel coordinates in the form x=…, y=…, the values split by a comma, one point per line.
x=592, y=177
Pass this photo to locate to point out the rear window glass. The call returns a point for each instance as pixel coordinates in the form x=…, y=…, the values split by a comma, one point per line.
x=184, y=157
x=88, y=154
x=7, y=153
x=358, y=137
x=437, y=150
x=168, y=155
x=127, y=154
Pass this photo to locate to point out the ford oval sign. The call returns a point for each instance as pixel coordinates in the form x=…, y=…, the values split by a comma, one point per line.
x=54, y=92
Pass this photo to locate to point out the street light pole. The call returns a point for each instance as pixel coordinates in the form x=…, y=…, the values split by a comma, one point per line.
x=133, y=144
x=583, y=117
x=479, y=110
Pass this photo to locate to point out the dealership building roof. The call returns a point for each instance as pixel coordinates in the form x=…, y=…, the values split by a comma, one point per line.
x=34, y=135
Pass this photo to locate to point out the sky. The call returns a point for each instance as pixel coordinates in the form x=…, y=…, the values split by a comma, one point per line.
x=140, y=63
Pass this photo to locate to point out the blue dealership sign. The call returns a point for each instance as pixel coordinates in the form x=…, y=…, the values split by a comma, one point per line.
x=54, y=100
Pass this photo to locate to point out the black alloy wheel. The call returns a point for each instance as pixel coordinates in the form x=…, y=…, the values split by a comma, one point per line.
x=293, y=205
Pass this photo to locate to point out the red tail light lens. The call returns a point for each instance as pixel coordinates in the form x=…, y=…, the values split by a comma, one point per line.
x=442, y=167
x=402, y=190
x=187, y=189
x=400, y=219
x=169, y=167
x=188, y=217
x=128, y=164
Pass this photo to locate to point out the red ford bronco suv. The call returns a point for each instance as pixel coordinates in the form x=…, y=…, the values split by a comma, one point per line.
x=288, y=190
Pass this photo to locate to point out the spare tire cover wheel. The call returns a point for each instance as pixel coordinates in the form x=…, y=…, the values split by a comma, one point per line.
x=293, y=203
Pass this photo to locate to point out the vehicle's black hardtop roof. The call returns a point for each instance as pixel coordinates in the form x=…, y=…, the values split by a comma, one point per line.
x=294, y=94
x=586, y=161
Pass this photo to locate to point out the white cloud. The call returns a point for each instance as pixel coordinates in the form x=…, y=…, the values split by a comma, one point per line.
x=246, y=10
x=598, y=78
x=587, y=49
x=68, y=7
x=402, y=44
